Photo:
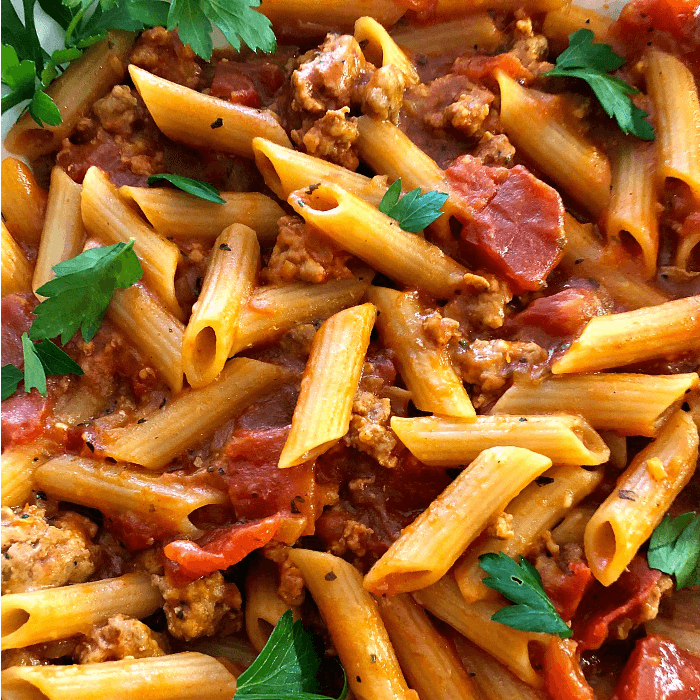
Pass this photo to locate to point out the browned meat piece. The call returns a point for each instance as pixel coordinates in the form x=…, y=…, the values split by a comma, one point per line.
x=302, y=253
x=529, y=47
x=468, y=112
x=326, y=78
x=37, y=554
x=332, y=137
x=483, y=310
x=369, y=428
x=120, y=637
x=490, y=364
x=291, y=582
x=382, y=96
x=440, y=330
x=162, y=53
x=495, y=149
x=356, y=538
x=201, y=608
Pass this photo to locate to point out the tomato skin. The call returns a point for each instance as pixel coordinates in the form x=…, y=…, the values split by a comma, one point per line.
x=220, y=548
x=563, y=677
x=659, y=670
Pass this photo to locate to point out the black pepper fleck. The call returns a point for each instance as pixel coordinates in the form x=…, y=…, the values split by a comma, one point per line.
x=217, y=123
x=627, y=495
x=330, y=576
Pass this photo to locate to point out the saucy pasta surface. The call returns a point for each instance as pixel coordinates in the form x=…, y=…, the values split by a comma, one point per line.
x=423, y=313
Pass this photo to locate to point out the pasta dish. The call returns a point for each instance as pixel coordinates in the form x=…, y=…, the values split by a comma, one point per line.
x=352, y=352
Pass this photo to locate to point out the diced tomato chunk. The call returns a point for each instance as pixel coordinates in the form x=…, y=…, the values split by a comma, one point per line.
x=23, y=417
x=482, y=68
x=513, y=223
x=659, y=669
x=565, y=588
x=563, y=677
x=231, y=84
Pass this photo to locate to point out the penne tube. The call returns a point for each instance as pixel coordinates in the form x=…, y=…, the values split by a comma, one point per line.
x=165, y=501
x=23, y=201
x=533, y=123
x=477, y=31
x=538, y=508
x=272, y=311
x=152, y=329
x=616, y=340
x=508, y=646
x=19, y=463
x=642, y=495
x=107, y=217
x=560, y=23
x=263, y=605
x=629, y=404
x=672, y=89
x=183, y=676
x=380, y=49
x=584, y=254
x=332, y=375
x=178, y=214
x=430, y=545
x=430, y=663
x=686, y=247
x=494, y=681
x=83, y=82
x=16, y=270
x=424, y=366
x=377, y=239
x=286, y=170
x=355, y=626
x=633, y=205
x=445, y=442
x=450, y=8
x=330, y=15
x=63, y=234
x=157, y=439
x=195, y=119
x=570, y=530
x=58, y=613
x=230, y=276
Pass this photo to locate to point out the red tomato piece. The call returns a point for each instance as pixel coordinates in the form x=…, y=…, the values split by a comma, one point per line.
x=563, y=677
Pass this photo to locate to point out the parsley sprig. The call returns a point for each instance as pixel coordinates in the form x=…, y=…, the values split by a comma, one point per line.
x=414, y=211
x=593, y=63
x=77, y=298
x=287, y=667
x=28, y=68
x=521, y=584
x=674, y=548
x=197, y=188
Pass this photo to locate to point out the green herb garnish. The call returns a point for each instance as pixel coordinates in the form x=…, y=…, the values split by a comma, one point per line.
x=593, y=63
x=287, y=667
x=197, y=188
x=414, y=211
x=521, y=584
x=674, y=548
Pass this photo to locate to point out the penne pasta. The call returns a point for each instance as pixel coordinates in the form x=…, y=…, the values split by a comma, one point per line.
x=166, y=501
x=616, y=340
x=183, y=676
x=377, y=239
x=173, y=213
x=23, y=202
x=439, y=441
x=431, y=544
x=203, y=121
x=629, y=404
x=16, y=270
x=425, y=367
x=324, y=407
x=533, y=122
x=19, y=463
x=58, y=613
x=63, y=234
x=158, y=438
x=537, y=509
x=673, y=91
x=212, y=328
x=642, y=494
x=107, y=217
x=84, y=81
x=449, y=8
x=355, y=626
x=560, y=23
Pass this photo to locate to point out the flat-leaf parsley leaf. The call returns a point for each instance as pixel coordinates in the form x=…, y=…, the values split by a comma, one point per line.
x=674, y=548
x=592, y=63
x=197, y=188
x=286, y=667
x=521, y=584
x=414, y=211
